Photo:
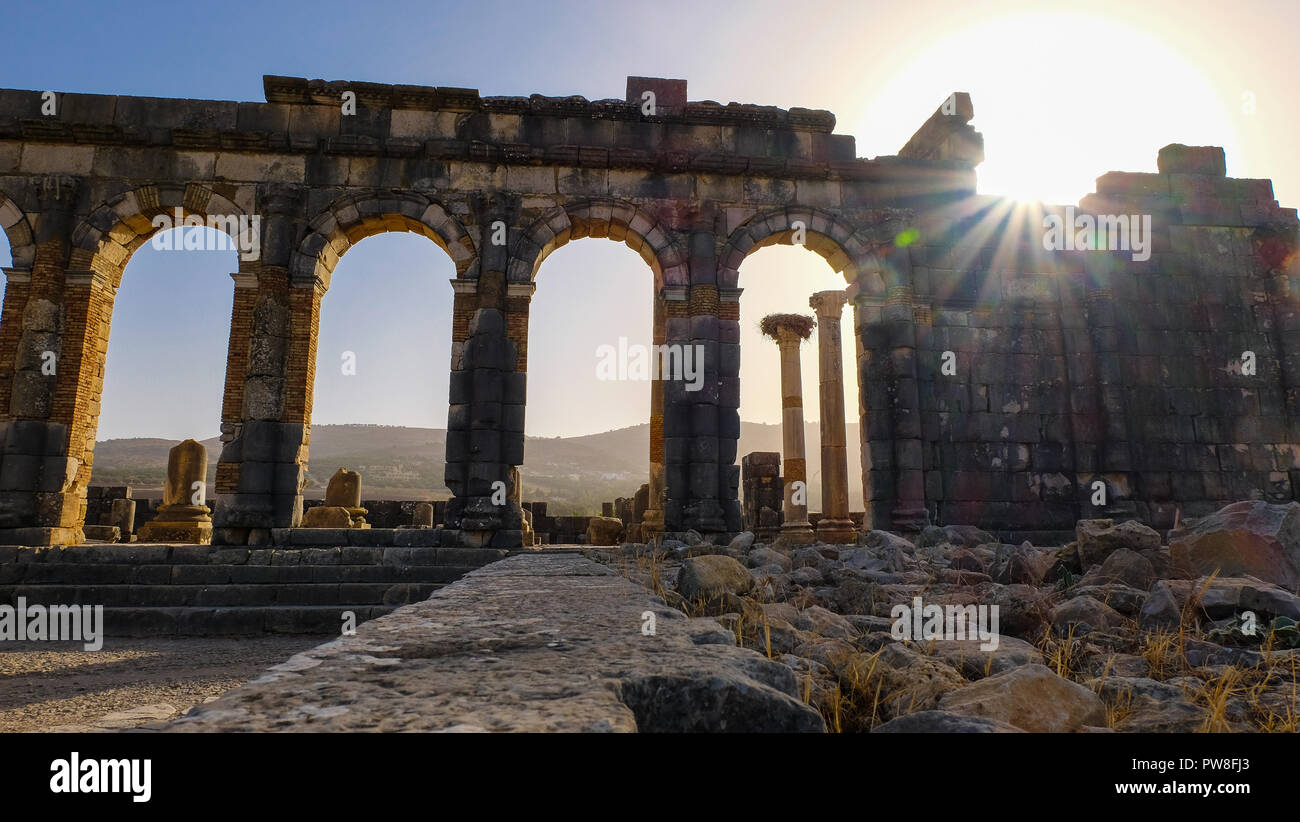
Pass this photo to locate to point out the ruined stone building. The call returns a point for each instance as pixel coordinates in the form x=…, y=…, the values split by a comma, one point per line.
x=1000, y=383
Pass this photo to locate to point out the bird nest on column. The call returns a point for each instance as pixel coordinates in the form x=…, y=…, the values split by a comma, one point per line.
x=800, y=324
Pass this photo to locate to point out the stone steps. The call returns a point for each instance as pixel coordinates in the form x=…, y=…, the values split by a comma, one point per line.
x=205, y=590
x=381, y=593
x=240, y=621
x=67, y=573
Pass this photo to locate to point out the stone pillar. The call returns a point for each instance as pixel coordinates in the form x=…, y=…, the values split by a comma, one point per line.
x=274, y=324
x=183, y=516
x=55, y=328
x=789, y=331
x=652, y=520
x=676, y=494
x=834, y=527
x=422, y=516
x=485, y=421
x=909, y=511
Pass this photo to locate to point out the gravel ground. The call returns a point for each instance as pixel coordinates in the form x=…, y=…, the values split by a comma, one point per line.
x=129, y=683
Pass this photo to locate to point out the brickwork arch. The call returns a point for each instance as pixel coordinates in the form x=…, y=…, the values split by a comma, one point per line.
x=349, y=220
x=105, y=240
x=615, y=219
x=842, y=245
x=22, y=243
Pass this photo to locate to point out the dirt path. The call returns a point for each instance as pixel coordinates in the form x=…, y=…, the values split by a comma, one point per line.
x=130, y=683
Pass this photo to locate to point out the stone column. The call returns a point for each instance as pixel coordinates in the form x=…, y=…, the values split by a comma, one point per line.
x=789, y=331
x=834, y=527
x=652, y=519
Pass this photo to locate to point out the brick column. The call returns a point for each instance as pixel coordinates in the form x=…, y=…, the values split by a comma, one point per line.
x=270, y=375
x=56, y=336
x=789, y=333
x=834, y=527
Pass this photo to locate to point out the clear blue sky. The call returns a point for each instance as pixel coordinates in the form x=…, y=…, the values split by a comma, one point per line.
x=1060, y=98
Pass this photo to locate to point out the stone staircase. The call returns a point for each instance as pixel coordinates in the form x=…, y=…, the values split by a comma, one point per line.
x=200, y=590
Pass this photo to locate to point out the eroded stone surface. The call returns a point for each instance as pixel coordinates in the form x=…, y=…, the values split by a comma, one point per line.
x=531, y=643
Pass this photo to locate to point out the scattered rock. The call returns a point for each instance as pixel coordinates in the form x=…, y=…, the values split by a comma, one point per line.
x=710, y=577
x=944, y=722
x=604, y=531
x=905, y=679
x=965, y=536
x=1250, y=538
x=1125, y=566
x=762, y=555
x=1031, y=698
x=1086, y=615
x=974, y=663
x=1099, y=538
x=742, y=543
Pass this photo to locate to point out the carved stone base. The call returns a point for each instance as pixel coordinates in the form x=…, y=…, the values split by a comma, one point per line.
x=195, y=533
x=837, y=532
x=796, y=533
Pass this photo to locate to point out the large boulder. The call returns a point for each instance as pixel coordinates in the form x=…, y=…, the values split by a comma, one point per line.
x=1031, y=698
x=711, y=577
x=604, y=531
x=1252, y=538
x=1099, y=538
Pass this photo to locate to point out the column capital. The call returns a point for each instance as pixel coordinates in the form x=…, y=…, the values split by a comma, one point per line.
x=464, y=286
x=244, y=279
x=828, y=304
x=18, y=275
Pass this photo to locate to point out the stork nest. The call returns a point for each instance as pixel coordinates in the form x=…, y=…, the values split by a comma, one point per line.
x=800, y=324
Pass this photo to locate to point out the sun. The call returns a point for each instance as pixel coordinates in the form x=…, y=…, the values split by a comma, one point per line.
x=1061, y=99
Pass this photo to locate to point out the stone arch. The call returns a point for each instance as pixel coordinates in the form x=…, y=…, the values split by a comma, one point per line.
x=842, y=246
x=105, y=240
x=22, y=243
x=349, y=220
x=614, y=219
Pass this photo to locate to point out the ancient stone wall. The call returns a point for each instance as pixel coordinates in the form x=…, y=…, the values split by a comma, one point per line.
x=1070, y=366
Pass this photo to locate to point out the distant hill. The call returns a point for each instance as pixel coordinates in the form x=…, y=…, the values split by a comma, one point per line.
x=573, y=474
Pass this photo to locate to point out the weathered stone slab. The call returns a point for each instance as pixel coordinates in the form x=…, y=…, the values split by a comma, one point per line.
x=531, y=643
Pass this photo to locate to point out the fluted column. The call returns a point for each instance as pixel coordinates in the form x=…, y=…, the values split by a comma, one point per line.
x=834, y=527
x=789, y=331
